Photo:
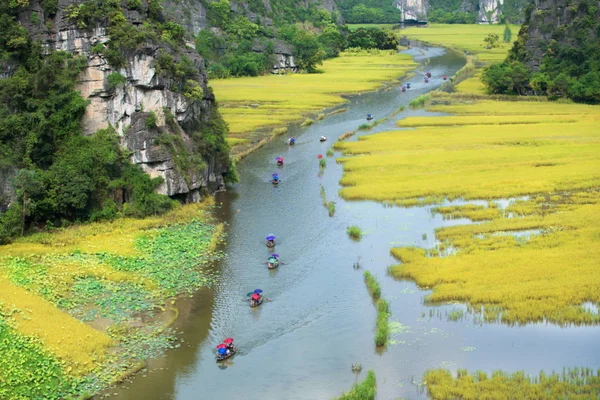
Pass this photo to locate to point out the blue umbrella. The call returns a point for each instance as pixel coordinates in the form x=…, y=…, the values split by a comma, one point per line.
x=257, y=291
x=274, y=255
x=222, y=351
x=271, y=237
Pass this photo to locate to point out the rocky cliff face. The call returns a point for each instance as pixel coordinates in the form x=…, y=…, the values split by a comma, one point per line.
x=489, y=11
x=125, y=107
x=412, y=10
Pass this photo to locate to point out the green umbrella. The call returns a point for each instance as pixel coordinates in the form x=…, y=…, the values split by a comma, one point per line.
x=250, y=294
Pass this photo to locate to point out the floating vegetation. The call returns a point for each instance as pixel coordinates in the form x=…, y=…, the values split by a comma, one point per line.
x=468, y=348
x=330, y=205
x=345, y=135
x=330, y=153
x=456, y=315
x=398, y=110
x=119, y=274
x=372, y=285
x=322, y=163
x=367, y=126
x=576, y=383
x=320, y=117
x=470, y=211
x=364, y=127
x=354, y=232
x=365, y=390
x=419, y=101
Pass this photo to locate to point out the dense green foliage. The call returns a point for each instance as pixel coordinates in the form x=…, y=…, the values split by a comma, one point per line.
x=441, y=16
x=369, y=12
x=570, y=66
x=363, y=391
x=373, y=38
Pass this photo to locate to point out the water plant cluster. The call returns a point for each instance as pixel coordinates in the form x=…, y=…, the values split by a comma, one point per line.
x=573, y=383
x=354, y=232
x=365, y=390
x=383, y=309
x=123, y=273
x=373, y=285
x=330, y=205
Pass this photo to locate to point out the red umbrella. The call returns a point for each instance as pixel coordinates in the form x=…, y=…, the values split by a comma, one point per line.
x=320, y=156
x=222, y=346
x=228, y=340
x=255, y=296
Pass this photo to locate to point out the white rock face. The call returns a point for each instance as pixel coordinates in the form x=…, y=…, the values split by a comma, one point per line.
x=412, y=10
x=489, y=11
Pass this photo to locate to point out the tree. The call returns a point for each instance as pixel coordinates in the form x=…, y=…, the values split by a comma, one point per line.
x=27, y=185
x=507, y=34
x=492, y=40
x=308, y=51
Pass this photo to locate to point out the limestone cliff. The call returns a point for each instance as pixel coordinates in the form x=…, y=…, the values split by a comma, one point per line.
x=126, y=105
x=412, y=10
x=489, y=11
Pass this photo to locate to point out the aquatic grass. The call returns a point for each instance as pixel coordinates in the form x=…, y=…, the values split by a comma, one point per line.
x=330, y=152
x=330, y=205
x=573, y=383
x=383, y=330
x=338, y=111
x=470, y=211
x=398, y=110
x=366, y=390
x=373, y=285
x=320, y=117
x=345, y=135
x=279, y=131
x=371, y=125
x=251, y=103
x=322, y=163
x=233, y=142
x=307, y=122
x=364, y=127
x=420, y=101
x=354, y=232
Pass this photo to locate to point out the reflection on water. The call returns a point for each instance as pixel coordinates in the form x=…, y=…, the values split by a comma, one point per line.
x=321, y=319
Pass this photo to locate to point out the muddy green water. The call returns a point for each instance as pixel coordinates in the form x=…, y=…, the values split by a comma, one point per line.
x=321, y=320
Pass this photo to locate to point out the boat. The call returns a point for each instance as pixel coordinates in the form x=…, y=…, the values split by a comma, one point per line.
x=259, y=302
x=226, y=356
x=408, y=85
x=445, y=77
x=369, y=117
x=275, y=182
x=280, y=162
x=272, y=264
x=322, y=139
x=292, y=140
x=426, y=80
x=270, y=241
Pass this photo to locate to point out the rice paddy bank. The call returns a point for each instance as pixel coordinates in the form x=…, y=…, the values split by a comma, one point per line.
x=253, y=106
x=89, y=303
x=547, y=162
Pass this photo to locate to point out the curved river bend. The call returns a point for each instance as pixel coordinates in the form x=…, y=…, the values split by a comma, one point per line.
x=321, y=320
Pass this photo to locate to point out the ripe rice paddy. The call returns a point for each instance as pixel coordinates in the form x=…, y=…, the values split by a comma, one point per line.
x=467, y=38
x=494, y=150
x=248, y=104
x=573, y=383
x=71, y=296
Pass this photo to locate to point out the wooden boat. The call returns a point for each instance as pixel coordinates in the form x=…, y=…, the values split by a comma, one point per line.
x=275, y=182
x=322, y=139
x=369, y=117
x=273, y=265
x=226, y=356
x=259, y=302
x=270, y=243
x=280, y=163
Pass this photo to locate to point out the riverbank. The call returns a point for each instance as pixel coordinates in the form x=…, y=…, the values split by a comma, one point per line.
x=526, y=170
x=261, y=107
x=88, y=304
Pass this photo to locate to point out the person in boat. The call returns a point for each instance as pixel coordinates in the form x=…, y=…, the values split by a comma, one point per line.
x=279, y=160
x=292, y=140
x=323, y=138
x=404, y=88
x=445, y=77
x=275, y=178
x=230, y=346
x=272, y=261
x=270, y=241
x=369, y=116
x=408, y=85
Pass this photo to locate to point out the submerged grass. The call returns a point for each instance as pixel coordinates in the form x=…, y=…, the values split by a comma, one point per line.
x=330, y=205
x=383, y=329
x=255, y=102
x=549, y=152
x=575, y=383
x=365, y=390
x=373, y=285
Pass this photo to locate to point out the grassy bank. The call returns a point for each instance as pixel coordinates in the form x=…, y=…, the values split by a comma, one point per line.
x=365, y=390
x=89, y=302
x=574, y=383
x=248, y=104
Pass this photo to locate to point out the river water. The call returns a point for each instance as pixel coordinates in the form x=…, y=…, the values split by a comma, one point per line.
x=321, y=319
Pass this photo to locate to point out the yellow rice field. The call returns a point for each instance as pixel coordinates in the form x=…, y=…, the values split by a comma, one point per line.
x=467, y=38
x=277, y=100
x=548, y=151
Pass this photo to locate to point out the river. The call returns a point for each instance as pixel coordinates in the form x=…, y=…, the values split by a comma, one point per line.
x=321, y=319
